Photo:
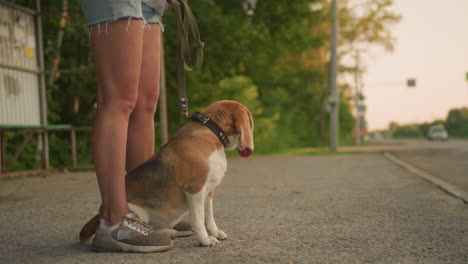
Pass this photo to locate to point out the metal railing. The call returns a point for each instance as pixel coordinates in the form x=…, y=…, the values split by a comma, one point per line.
x=5, y=165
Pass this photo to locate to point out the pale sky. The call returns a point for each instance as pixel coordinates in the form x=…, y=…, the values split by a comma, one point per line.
x=432, y=46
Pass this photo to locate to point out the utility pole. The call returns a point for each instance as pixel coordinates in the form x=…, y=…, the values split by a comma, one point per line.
x=334, y=94
x=357, y=118
x=162, y=95
x=42, y=86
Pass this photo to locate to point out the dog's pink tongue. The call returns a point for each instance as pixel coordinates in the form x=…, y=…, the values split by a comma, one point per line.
x=245, y=153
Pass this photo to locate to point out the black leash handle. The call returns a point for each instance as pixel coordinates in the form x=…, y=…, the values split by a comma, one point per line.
x=185, y=62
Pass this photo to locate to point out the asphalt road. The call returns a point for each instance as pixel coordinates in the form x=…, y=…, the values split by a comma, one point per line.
x=447, y=160
x=312, y=209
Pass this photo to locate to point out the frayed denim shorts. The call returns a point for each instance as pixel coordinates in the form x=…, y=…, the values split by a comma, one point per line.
x=99, y=11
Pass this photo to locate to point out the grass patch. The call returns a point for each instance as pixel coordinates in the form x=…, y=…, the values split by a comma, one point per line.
x=311, y=152
x=297, y=152
x=304, y=151
x=368, y=143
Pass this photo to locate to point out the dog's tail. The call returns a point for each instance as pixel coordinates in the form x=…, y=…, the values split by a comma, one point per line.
x=89, y=229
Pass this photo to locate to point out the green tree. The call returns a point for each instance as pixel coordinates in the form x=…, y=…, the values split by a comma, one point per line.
x=457, y=122
x=269, y=55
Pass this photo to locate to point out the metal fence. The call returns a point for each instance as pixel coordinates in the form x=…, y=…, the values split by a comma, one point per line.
x=20, y=74
x=22, y=87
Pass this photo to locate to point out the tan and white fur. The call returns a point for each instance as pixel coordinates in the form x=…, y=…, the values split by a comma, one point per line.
x=183, y=175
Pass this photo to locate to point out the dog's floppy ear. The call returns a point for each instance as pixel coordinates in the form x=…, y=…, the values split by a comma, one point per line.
x=244, y=126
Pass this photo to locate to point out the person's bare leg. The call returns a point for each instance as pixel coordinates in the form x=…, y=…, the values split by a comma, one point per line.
x=140, y=141
x=117, y=49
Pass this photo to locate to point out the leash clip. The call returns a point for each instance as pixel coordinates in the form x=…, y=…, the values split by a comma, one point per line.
x=185, y=114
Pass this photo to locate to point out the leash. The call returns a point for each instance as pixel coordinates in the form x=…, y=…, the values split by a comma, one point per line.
x=185, y=62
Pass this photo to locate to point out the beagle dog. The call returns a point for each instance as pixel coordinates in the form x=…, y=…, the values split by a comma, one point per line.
x=183, y=175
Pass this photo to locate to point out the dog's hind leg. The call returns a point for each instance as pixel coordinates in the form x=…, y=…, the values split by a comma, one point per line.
x=140, y=212
x=171, y=232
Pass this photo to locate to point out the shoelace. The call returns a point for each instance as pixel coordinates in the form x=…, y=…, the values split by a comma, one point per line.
x=138, y=225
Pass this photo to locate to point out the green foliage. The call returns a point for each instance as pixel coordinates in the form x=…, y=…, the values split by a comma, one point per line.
x=408, y=131
x=269, y=55
x=346, y=122
x=28, y=158
x=372, y=26
x=457, y=122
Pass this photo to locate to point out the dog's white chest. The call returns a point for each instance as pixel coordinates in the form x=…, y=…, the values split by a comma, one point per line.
x=217, y=165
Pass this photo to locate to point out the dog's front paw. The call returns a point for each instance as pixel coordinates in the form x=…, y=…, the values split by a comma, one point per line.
x=208, y=241
x=219, y=234
x=222, y=235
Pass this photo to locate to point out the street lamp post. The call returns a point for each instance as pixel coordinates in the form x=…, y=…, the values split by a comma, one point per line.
x=334, y=94
x=357, y=119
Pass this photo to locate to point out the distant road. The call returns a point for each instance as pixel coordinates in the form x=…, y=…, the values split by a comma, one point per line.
x=447, y=160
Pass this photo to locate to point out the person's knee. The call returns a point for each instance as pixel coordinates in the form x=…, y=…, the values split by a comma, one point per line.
x=123, y=104
x=147, y=102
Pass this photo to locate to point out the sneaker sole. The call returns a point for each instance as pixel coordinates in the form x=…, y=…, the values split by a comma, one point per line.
x=105, y=245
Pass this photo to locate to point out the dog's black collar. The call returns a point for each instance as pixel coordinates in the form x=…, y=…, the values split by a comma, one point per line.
x=206, y=121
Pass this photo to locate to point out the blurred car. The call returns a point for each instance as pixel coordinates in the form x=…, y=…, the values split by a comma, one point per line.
x=373, y=137
x=437, y=132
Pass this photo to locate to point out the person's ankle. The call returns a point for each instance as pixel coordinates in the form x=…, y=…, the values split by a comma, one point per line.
x=105, y=227
x=112, y=218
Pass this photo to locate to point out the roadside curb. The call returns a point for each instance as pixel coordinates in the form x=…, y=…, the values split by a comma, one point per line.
x=452, y=190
